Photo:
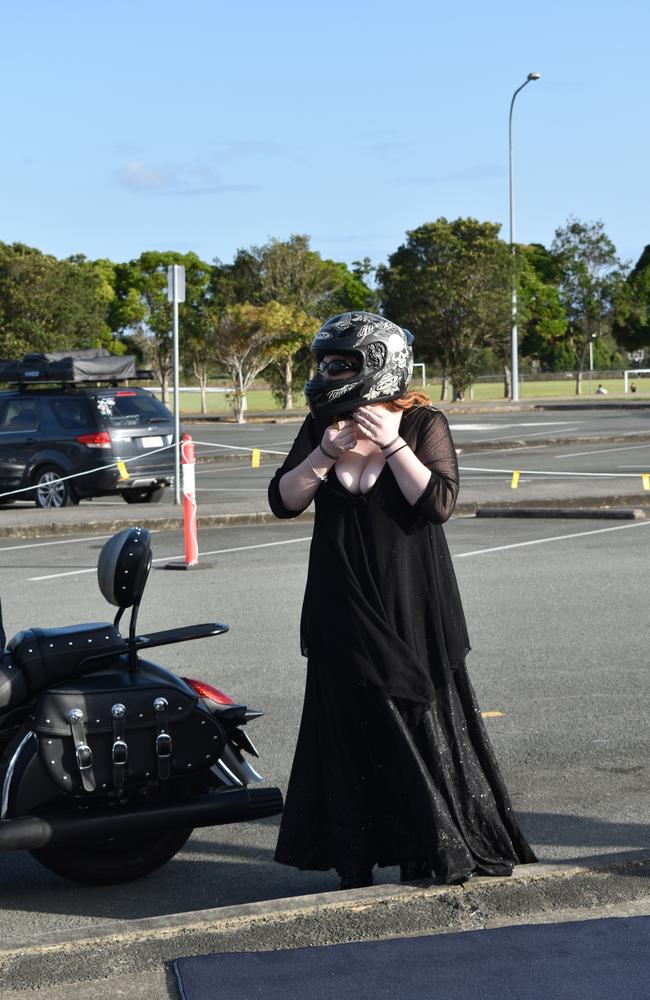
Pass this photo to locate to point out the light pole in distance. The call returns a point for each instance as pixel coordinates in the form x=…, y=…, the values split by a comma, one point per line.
x=514, y=368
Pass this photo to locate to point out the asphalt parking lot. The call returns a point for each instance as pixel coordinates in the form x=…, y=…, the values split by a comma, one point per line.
x=557, y=616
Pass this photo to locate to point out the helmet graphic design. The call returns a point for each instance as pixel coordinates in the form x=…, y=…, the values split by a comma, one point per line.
x=383, y=352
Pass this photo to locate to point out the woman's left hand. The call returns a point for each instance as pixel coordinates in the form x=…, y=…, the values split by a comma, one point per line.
x=377, y=424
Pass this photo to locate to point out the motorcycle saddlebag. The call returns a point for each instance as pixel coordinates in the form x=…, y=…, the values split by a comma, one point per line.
x=115, y=730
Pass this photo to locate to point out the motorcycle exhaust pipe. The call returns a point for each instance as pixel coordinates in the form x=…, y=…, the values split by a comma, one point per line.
x=28, y=833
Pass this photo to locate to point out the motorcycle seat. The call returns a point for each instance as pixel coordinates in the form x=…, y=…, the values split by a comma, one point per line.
x=36, y=657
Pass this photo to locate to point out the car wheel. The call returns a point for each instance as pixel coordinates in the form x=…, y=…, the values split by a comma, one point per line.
x=144, y=496
x=52, y=491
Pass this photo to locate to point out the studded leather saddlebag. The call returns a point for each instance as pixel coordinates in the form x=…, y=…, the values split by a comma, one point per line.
x=115, y=730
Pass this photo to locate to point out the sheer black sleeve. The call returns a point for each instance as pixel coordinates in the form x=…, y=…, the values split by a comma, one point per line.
x=435, y=449
x=304, y=443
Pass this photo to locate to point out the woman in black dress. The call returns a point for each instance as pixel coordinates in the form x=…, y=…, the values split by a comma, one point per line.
x=393, y=764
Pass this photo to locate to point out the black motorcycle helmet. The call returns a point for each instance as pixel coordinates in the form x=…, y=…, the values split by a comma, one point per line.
x=385, y=364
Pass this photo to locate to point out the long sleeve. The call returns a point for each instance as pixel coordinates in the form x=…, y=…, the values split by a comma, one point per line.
x=435, y=449
x=304, y=443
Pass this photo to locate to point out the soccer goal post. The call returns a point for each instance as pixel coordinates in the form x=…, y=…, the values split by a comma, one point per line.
x=632, y=372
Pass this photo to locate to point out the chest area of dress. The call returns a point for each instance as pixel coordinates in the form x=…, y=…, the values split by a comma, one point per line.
x=358, y=470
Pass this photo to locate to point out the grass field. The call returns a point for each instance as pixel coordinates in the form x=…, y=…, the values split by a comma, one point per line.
x=261, y=400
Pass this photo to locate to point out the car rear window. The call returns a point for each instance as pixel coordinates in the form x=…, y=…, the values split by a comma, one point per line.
x=125, y=407
x=74, y=411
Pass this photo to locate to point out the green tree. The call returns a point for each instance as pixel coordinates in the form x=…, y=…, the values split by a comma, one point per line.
x=449, y=284
x=291, y=330
x=290, y=274
x=542, y=320
x=590, y=279
x=48, y=304
x=141, y=308
x=243, y=345
x=632, y=307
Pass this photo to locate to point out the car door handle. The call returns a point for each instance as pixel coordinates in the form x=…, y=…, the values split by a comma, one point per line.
x=31, y=440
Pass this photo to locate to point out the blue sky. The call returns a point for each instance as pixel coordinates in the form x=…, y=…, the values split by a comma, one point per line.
x=208, y=126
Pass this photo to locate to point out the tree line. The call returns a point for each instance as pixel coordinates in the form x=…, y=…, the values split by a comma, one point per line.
x=450, y=283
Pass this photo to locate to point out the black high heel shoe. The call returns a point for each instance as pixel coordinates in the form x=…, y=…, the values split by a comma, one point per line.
x=355, y=880
x=414, y=871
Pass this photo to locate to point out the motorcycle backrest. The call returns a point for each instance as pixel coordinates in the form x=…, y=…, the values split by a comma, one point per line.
x=123, y=566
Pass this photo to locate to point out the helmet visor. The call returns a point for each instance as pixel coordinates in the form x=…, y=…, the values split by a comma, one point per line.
x=338, y=366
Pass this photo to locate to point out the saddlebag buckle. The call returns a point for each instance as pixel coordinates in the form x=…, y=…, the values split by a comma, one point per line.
x=163, y=739
x=83, y=753
x=84, y=757
x=163, y=746
x=120, y=753
x=120, y=750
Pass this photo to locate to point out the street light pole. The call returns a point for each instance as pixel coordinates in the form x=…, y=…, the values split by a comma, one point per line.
x=514, y=367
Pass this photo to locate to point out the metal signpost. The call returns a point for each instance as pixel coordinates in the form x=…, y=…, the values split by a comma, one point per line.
x=176, y=294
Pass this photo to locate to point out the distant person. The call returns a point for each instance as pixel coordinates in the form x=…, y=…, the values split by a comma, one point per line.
x=601, y=390
x=633, y=388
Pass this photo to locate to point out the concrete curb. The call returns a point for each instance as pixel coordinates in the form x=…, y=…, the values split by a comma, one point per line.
x=641, y=438
x=617, y=507
x=325, y=918
x=613, y=514
x=173, y=522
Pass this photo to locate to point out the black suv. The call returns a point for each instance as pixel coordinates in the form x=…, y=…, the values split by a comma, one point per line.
x=47, y=433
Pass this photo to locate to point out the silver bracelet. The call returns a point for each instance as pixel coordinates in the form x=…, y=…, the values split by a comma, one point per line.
x=323, y=479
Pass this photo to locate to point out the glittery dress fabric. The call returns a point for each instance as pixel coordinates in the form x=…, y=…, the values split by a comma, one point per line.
x=393, y=762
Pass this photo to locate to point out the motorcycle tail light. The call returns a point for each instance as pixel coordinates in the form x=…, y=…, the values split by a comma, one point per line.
x=99, y=440
x=209, y=692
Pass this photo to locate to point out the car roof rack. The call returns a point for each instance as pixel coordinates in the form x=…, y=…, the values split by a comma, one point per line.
x=72, y=368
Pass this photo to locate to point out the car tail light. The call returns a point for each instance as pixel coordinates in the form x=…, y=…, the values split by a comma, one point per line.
x=101, y=439
x=126, y=392
x=209, y=692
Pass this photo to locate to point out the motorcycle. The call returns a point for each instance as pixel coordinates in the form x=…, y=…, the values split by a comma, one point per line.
x=108, y=761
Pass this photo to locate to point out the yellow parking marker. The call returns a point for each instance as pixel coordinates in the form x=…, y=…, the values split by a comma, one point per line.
x=491, y=715
x=515, y=480
x=255, y=458
x=124, y=472
x=645, y=479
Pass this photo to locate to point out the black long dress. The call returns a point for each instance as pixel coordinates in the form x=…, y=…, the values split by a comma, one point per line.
x=393, y=762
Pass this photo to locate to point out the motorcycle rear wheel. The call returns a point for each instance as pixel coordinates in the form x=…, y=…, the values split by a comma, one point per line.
x=111, y=861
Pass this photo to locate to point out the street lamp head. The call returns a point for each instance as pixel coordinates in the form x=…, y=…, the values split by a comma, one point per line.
x=533, y=76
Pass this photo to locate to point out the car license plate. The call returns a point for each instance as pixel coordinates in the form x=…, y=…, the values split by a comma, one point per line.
x=152, y=442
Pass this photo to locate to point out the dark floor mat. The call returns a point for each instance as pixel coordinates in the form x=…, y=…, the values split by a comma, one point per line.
x=582, y=960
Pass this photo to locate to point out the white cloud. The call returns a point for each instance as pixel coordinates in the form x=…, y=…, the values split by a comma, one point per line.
x=182, y=178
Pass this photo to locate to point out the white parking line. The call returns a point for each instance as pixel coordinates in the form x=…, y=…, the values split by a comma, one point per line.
x=515, y=437
x=214, y=552
x=63, y=541
x=554, y=538
x=603, y=451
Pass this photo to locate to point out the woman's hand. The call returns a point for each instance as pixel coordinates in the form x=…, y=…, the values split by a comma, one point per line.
x=377, y=424
x=339, y=438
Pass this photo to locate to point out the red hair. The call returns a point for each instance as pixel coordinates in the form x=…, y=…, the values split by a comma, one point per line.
x=413, y=398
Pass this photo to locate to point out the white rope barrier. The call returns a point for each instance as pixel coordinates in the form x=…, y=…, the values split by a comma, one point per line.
x=255, y=455
x=531, y=472
x=88, y=472
x=238, y=447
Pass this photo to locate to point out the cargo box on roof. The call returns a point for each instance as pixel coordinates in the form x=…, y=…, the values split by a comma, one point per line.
x=93, y=365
